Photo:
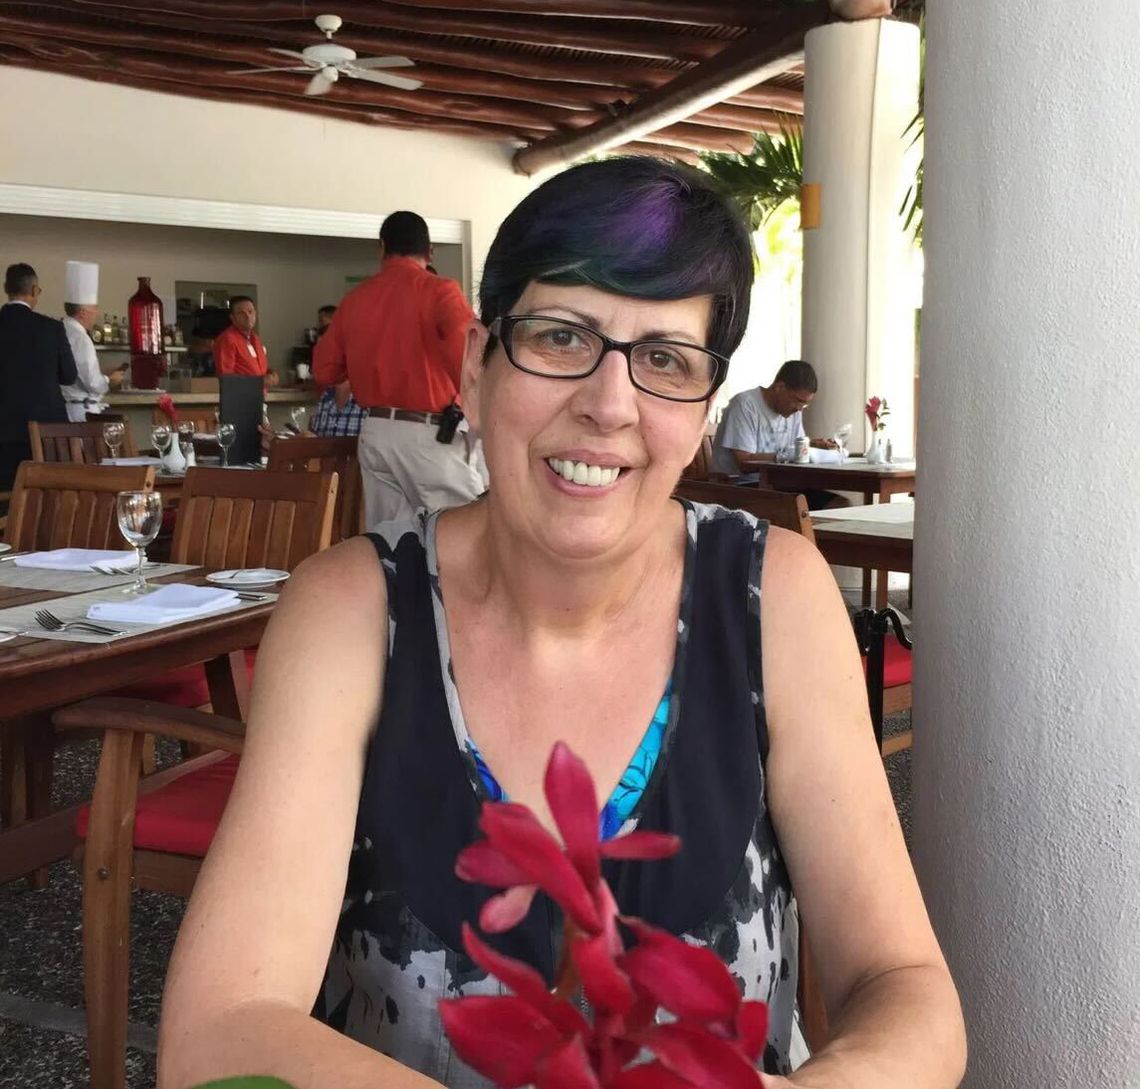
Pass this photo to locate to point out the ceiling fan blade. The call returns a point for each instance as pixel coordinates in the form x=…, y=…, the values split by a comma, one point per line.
x=247, y=71
x=287, y=53
x=383, y=62
x=319, y=84
x=383, y=77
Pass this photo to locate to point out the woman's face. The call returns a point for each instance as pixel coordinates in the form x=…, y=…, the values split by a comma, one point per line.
x=533, y=426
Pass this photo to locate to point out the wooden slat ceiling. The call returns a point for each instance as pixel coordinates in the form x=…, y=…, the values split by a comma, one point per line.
x=517, y=70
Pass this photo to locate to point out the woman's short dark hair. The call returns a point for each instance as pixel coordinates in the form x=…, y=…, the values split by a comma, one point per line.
x=630, y=225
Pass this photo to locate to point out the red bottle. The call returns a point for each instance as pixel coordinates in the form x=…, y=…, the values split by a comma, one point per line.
x=144, y=314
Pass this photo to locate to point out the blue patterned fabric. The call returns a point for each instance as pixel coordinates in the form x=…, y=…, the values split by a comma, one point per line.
x=331, y=422
x=630, y=787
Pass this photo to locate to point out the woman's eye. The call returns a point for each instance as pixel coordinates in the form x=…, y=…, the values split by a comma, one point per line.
x=562, y=338
x=663, y=360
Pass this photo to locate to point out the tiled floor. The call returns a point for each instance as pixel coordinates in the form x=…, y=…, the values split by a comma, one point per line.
x=41, y=979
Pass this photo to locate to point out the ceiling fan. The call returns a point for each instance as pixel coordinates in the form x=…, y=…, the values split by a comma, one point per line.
x=329, y=61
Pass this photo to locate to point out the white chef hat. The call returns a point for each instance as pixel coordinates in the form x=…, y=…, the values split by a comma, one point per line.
x=81, y=283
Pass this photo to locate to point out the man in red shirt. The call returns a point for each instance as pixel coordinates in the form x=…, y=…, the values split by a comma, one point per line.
x=238, y=349
x=398, y=339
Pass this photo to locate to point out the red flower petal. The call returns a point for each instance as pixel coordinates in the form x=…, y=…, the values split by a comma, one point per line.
x=515, y=832
x=482, y=864
x=700, y=1057
x=567, y=1068
x=573, y=804
x=752, y=1028
x=648, y=1076
x=503, y=1038
x=649, y=846
x=526, y=983
x=507, y=910
x=605, y=984
x=689, y=980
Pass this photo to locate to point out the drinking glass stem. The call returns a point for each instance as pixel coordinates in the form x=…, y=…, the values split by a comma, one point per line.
x=140, y=581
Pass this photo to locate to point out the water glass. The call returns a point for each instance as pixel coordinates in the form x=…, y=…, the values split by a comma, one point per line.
x=160, y=436
x=300, y=418
x=140, y=519
x=841, y=435
x=113, y=436
x=226, y=435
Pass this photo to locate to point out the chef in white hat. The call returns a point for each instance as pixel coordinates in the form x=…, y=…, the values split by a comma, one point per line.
x=81, y=294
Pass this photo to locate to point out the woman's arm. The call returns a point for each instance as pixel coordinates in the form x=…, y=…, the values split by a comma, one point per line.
x=894, y=1012
x=252, y=950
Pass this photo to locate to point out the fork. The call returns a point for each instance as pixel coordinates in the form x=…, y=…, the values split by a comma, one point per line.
x=50, y=622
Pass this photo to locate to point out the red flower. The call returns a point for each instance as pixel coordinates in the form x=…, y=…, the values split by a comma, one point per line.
x=876, y=410
x=166, y=407
x=536, y=1036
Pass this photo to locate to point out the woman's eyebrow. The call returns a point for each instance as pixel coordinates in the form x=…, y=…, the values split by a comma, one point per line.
x=683, y=335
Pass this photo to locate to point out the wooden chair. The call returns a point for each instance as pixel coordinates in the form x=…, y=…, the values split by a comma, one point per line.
x=783, y=509
x=70, y=505
x=314, y=454
x=236, y=518
x=79, y=443
x=201, y=416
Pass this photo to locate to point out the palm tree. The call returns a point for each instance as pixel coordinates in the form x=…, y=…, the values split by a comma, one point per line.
x=765, y=178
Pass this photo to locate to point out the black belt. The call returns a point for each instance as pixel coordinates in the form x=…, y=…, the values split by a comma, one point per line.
x=433, y=418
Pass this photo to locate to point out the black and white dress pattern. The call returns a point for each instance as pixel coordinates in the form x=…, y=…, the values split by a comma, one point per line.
x=397, y=949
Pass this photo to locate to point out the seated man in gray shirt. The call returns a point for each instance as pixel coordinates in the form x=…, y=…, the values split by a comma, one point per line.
x=759, y=423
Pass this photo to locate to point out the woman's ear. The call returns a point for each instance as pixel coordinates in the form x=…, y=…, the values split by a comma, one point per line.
x=471, y=375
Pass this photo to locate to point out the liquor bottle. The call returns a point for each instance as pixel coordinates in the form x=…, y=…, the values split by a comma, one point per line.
x=144, y=312
x=97, y=333
x=106, y=328
x=167, y=337
x=116, y=331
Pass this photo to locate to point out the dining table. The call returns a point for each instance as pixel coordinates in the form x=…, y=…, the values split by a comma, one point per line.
x=874, y=482
x=873, y=536
x=39, y=673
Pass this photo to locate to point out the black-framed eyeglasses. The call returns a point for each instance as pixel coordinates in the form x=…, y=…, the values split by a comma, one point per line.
x=554, y=348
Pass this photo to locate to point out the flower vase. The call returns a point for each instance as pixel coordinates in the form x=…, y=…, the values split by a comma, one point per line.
x=875, y=450
x=172, y=461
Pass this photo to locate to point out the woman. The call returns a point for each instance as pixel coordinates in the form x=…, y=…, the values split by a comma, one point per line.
x=408, y=676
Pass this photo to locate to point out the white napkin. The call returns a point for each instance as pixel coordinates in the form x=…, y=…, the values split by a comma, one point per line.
x=74, y=559
x=825, y=457
x=166, y=605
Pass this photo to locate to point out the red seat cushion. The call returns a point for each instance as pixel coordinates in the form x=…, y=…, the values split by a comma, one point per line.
x=183, y=687
x=181, y=817
x=896, y=664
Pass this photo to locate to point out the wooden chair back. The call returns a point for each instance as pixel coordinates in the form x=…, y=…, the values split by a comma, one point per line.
x=253, y=518
x=70, y=506
x=77, y=443
x=310, y=453
x=701, y=465
x=784, y=509
x=201, y=416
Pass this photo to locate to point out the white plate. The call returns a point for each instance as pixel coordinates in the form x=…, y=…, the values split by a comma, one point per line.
x=250, y=576
x=5, y=547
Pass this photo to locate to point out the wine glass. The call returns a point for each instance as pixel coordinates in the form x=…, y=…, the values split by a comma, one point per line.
x=140, y=518
x=160, y=436
x=225, y=436
x=841, y=435
x=186, y=441
x=113, y=436
x=300, y=418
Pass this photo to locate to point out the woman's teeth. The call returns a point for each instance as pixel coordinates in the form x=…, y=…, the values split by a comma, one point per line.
x=578, y=472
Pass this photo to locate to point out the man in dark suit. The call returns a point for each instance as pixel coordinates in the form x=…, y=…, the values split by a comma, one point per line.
x=35, y=360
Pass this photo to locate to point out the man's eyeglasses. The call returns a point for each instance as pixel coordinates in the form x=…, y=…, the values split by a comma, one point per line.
x=553, y=348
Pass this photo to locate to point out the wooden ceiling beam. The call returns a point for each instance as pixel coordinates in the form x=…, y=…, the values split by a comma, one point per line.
x=693, y=12
x=436, y=78
x=742, y=65
x=360, y=115
x=740, y=118
x=764, y=97
x=290, y=87
x=661, y=151
x=568, y=33
x=422, y=46
x=701, y=138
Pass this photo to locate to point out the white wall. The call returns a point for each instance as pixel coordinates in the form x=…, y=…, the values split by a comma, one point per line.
x=294, y=274
x=60, y=131
x=1027, y=545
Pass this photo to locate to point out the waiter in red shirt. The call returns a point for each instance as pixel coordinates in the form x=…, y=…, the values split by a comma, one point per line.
x=398, y=338
x=238, y=349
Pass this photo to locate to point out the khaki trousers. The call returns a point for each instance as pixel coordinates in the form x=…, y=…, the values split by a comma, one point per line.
x=403, y=468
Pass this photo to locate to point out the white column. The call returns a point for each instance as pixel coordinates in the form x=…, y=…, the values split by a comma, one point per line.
x=1027, y=716
x=861, y=93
